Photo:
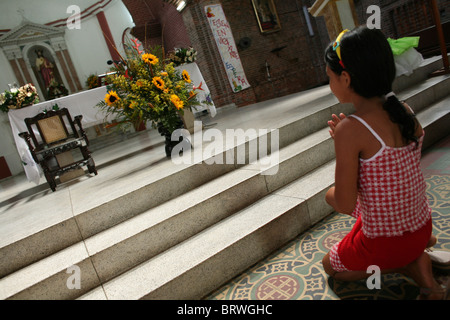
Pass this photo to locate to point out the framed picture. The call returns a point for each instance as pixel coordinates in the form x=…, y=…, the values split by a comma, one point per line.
x=267, y=16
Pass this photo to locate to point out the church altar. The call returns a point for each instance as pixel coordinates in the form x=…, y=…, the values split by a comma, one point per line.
x=82, y=103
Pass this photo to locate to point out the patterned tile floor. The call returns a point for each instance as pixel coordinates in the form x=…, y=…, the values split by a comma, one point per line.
x=295, y=272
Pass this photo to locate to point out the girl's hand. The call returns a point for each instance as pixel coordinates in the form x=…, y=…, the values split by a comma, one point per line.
x=334, y=122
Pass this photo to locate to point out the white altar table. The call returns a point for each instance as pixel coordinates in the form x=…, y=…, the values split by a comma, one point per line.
x=203, y=94
x=79, y=103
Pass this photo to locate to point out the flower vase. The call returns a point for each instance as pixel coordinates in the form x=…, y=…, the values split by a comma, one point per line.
x=140, y=126
x=169, y=143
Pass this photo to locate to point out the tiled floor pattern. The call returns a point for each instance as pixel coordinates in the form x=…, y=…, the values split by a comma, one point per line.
x=295, y=272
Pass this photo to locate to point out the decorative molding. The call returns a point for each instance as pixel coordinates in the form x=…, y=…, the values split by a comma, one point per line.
x=58, y=43
x=62, y=23
x=29, y=32
x=12, y=52
x=91, y=11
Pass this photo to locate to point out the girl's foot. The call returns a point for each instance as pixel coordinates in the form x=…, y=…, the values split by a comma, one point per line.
x=420, y=271
x=435, y=294
x=432, y=241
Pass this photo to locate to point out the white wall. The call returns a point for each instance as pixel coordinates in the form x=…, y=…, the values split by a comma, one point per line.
x=86, y=46
x=6, y=73
x=38, y=11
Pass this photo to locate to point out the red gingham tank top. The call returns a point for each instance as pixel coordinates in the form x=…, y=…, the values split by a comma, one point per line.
x=391, y=190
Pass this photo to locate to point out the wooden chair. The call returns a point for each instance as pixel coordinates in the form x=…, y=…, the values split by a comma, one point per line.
x=52, y=137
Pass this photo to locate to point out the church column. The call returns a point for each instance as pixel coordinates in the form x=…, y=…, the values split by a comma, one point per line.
x=24, y=68
x=60, y=48
x=16, y=70
x=14, y=56
x=108, y=35
x=65, y=71
x=72, y=69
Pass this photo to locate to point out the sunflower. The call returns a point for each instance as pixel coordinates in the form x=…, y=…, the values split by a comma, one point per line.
x=177, y=101
x=111, y=98
x=158, y=82
x=150, y=58
x=186, y=76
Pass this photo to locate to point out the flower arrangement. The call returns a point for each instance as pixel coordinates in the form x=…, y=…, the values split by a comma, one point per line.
x=16, y=99
x=146, y=87
x=183, y=55
x=56, y=90
x=92, y=81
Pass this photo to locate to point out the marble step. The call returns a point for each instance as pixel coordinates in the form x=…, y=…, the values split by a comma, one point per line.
x=426, y=93
x=63, y=243
x=200, y=264
x=167, y=229
x=419, y=75
x=48, y=236
x=59, y=228
x=138, y=239
x=436, y=121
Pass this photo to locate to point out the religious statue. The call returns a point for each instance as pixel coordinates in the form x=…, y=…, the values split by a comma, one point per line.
x=45, y=67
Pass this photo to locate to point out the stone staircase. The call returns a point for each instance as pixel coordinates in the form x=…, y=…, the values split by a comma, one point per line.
x=194, y=228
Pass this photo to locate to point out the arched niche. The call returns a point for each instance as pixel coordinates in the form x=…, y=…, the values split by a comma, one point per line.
x=42, y=60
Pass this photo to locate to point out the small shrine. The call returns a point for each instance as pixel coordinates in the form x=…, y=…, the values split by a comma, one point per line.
x=38, y=54
x=339, y=15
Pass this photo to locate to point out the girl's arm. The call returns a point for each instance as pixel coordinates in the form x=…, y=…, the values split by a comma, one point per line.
x=342, y=197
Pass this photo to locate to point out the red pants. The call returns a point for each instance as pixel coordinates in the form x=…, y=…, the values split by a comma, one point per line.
x=356, y=252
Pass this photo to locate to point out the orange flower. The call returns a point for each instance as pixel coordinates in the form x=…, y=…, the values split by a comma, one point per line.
x=133, y=105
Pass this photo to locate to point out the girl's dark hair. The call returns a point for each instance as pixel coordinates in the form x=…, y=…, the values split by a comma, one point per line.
x=368, y=58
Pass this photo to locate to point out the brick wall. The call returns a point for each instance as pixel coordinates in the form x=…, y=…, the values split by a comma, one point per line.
x=157, y=22
x=297, y=66
x=175, y=34
x=209, y=60
x=400, y=18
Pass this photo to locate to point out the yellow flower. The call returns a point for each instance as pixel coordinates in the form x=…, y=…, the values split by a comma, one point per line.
x=111, y=98
x=158, y=82
x=177, y=101
x=186, y=76
x=164, y=74
x=150, y=58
